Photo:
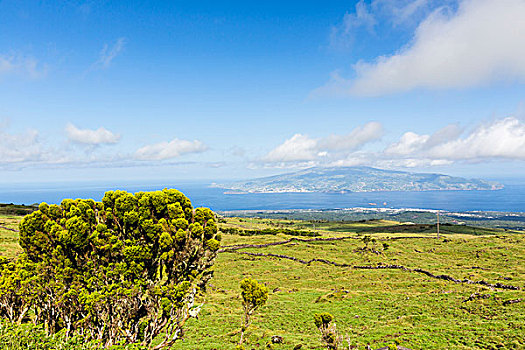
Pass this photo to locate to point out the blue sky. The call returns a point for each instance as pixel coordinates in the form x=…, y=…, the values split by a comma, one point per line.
x=138, y=90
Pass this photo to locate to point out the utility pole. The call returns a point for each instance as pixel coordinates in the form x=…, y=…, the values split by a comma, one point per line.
x=437, y=214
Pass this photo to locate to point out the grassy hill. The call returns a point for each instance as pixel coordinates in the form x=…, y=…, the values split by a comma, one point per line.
x=371, y=305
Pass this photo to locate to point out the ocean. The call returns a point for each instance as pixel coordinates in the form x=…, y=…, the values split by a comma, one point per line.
x=509, y=199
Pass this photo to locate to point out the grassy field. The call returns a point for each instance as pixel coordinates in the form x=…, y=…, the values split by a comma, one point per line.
x=9, y=236
x=371, y=306
x=485, y=219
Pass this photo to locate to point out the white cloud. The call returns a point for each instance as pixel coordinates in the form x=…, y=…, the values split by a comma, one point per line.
x=26, y=149
x=446, y=134
x=402, y=11
x=300, y=148
x=406, y=11
x=411, y=162
x=500, y=139
x=22, y=147
x=374, y=17
x=237, y=151
x=352, y=160
x=91, y=137
x=480, y=43
x=297, y=148
x=108, y=54
x=172, y=149
x=355, y=139
x=504, y=138
x=409, y=143
x=21, y=65
x=344, y=33
x=361, y=17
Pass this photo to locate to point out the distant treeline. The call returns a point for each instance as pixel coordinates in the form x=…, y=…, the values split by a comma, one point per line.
x=446, y=228
x=511, y=221
x=16, y=209
x=268, y=231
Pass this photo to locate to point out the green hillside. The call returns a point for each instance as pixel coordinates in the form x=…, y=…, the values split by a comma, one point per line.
x=381, y=290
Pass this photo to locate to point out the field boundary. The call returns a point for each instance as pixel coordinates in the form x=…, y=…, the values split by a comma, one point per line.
x=8, y=229
x=242, y=246
x=380, y=266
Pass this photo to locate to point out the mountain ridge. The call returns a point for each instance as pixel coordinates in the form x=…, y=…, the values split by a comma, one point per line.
x=356, y=179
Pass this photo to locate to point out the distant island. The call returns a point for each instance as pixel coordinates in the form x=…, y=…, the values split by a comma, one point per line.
x=356, y=179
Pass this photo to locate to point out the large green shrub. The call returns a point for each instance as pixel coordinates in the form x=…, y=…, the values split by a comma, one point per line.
x=123, y=270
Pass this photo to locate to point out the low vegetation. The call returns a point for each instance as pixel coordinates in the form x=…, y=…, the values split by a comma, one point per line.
x=381, y=288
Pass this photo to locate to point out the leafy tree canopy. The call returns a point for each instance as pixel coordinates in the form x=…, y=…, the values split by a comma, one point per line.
x=122, y=270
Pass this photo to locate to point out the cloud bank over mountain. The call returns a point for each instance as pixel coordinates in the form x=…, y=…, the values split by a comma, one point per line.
x=500, y=139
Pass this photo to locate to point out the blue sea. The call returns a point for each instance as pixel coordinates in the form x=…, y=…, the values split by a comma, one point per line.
x=509, y=199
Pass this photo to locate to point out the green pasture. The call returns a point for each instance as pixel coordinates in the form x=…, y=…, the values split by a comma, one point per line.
x=376, y=307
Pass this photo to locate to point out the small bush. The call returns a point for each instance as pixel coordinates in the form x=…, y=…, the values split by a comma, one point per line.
x=254, y=295
x=329, y=335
